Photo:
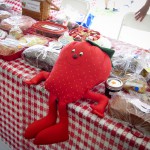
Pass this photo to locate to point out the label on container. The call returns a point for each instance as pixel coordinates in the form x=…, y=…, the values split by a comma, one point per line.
x=31, y=5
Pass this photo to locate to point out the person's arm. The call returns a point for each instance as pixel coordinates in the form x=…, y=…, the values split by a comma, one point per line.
x=140, y=14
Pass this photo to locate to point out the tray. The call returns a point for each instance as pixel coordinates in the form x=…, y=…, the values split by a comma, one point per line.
x=82, y=33
x=49, y=29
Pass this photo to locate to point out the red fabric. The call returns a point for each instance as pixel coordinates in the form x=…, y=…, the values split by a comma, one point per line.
x=79, y=68
x=71, y=78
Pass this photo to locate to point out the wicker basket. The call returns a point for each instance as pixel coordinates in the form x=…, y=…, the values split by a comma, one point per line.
x=44, y=12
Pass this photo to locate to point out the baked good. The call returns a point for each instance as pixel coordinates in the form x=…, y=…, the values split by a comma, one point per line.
x=41, y=57
x=16, y=32
x=122, y=108
x=24, y=22
x=31, y=40
x=9, y=46
x=3, y=34
x=4, y=14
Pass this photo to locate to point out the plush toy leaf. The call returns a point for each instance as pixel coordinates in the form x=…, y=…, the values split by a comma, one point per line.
x=109, y=52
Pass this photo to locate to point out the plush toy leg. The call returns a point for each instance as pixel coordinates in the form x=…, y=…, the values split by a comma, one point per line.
x=43, y=75
x=102, y=100
x=45, y=122
x=56, y=133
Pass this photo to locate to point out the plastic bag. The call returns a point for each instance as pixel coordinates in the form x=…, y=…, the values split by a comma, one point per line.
x=3, y=34
x=135, y=83
x=41, y=56
x=24, y=22
x=10, y=46
x=132, y=110
x=4, y=14
x=5, y=6
x=125, y=62
x=15, y=32
x=31, y=40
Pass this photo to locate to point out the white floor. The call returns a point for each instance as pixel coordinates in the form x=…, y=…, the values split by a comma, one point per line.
x=108, y=22
x=3, y=146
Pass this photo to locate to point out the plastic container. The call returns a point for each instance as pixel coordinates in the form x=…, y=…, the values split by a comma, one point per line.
x=49, y=29
x=113, y=85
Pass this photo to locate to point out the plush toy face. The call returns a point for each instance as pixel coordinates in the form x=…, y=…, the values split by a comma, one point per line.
x=80, y=67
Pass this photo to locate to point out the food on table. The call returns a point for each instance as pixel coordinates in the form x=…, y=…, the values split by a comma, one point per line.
x=41, y=56
x=30, y=40
x=81, y=34
x=16, y=32
x=65, y=39
x=24, y=22
x=10, y=46
x=112, y=85
x=132, y=110
x=5, y=6
x=3, y=34
x=4, y=14
x=135, y=83
x=124, y=63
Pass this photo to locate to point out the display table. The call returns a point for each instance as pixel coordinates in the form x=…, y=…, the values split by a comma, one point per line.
x=21, y=104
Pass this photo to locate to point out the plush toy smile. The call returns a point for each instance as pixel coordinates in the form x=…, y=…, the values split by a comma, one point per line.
x=80, y=66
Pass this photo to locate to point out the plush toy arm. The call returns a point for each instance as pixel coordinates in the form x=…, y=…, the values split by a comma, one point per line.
x=101, y=100
x=43, y=75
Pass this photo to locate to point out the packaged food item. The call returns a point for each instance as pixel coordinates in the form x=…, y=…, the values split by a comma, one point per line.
x=136, y=83
x=41, y=56
x=125, y=62
x=24, y=22
x=65, y=39
x=113, y=85
x=5, y=6
x=10, y=46
x=15, y=32
x=131, y=110
x=4, y=14
x=3, y=34
x=31, y=40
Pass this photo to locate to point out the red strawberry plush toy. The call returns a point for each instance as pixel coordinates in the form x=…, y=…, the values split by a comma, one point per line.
x=79, y=67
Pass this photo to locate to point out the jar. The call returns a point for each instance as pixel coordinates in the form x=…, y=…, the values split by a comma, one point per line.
x=112, y=85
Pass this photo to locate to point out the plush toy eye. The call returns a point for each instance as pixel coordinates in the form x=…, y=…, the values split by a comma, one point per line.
x=73, y=50
x=81, y=53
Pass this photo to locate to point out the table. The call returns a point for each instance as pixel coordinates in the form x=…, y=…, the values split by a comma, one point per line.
x=21, y=104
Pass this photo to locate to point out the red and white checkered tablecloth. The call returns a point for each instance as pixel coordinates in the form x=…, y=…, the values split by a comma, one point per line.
x=15, y=5
x=21, y=104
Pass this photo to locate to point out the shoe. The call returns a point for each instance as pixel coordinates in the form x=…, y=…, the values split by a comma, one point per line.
x=115, y=10
x=106, y=8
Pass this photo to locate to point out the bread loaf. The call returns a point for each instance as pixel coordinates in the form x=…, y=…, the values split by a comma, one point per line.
x=121, y=108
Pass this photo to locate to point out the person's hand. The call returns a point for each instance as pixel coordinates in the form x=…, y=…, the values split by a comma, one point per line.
x=140, y=15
